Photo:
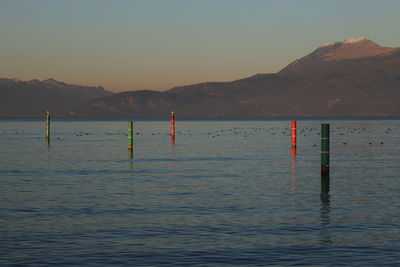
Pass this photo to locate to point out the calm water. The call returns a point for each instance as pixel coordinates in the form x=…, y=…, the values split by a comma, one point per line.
x=227, y=192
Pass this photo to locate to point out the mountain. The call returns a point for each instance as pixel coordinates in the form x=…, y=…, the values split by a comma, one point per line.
x=355, y=77
x=358, y=52
x=33, y=98
x=255, y=96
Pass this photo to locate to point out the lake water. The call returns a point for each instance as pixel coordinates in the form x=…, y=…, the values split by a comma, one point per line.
x=227, y=192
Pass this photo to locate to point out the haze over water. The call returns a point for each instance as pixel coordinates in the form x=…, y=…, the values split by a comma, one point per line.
x=227, y=192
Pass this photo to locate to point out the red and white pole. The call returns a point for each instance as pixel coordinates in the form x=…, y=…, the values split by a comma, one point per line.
x=294, y=134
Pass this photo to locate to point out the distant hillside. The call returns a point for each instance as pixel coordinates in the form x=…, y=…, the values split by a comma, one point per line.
x=355, y=77
x=33, y=98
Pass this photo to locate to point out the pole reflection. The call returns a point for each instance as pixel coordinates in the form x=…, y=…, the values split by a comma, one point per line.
x=325, y=190
x=325, y=210
x=172, y=143
x=293, y=185
x=173, y=147
x=48, y=144
x=130, y=156
x=173, y=163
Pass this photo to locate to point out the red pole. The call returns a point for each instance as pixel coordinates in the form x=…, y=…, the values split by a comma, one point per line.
x=294, y=142
x=172, y=124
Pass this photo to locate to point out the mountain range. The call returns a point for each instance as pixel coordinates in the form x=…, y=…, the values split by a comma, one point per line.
x=33, y=98
x=355, y=77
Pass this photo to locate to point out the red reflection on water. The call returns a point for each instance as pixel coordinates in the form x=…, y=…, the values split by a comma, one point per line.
x=294, y=170
x=173, y=144
x=172, y=164
x=293, y=185
x=294, y=152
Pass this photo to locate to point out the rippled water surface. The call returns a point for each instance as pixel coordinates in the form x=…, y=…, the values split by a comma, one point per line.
x=227, y=192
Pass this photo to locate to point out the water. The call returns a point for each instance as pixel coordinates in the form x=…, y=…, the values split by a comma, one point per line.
x=227, y=192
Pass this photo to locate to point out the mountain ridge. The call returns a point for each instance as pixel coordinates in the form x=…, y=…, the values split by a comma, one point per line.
x=33, y=97
x=349, y=49
x=354, y=77
x=364, y=83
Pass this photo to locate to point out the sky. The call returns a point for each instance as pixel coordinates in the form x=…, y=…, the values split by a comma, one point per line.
x=126, y=45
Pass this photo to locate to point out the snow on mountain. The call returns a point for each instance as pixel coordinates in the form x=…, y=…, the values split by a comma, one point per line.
x=354, y=40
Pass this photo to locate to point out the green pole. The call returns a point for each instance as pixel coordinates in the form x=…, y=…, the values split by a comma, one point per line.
x=48, y=125
x=325, y=149
x=130, y=135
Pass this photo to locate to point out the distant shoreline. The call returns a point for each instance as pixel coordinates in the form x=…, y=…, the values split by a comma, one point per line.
x=381, y=118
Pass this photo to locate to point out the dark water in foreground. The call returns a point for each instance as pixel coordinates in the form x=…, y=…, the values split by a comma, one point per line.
x=227, y=192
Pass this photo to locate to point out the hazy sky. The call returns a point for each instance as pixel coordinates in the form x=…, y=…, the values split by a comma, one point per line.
x=158, y=44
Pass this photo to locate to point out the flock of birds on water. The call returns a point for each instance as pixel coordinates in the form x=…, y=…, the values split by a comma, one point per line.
x=244, y=132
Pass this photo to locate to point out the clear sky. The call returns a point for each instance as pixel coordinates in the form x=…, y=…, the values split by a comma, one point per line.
x=158, y=44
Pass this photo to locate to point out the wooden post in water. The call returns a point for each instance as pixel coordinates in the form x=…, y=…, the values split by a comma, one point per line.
x=47, y=125
x=325, y=150
x=130, y=136
x=172, y=125
x=294, y=134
